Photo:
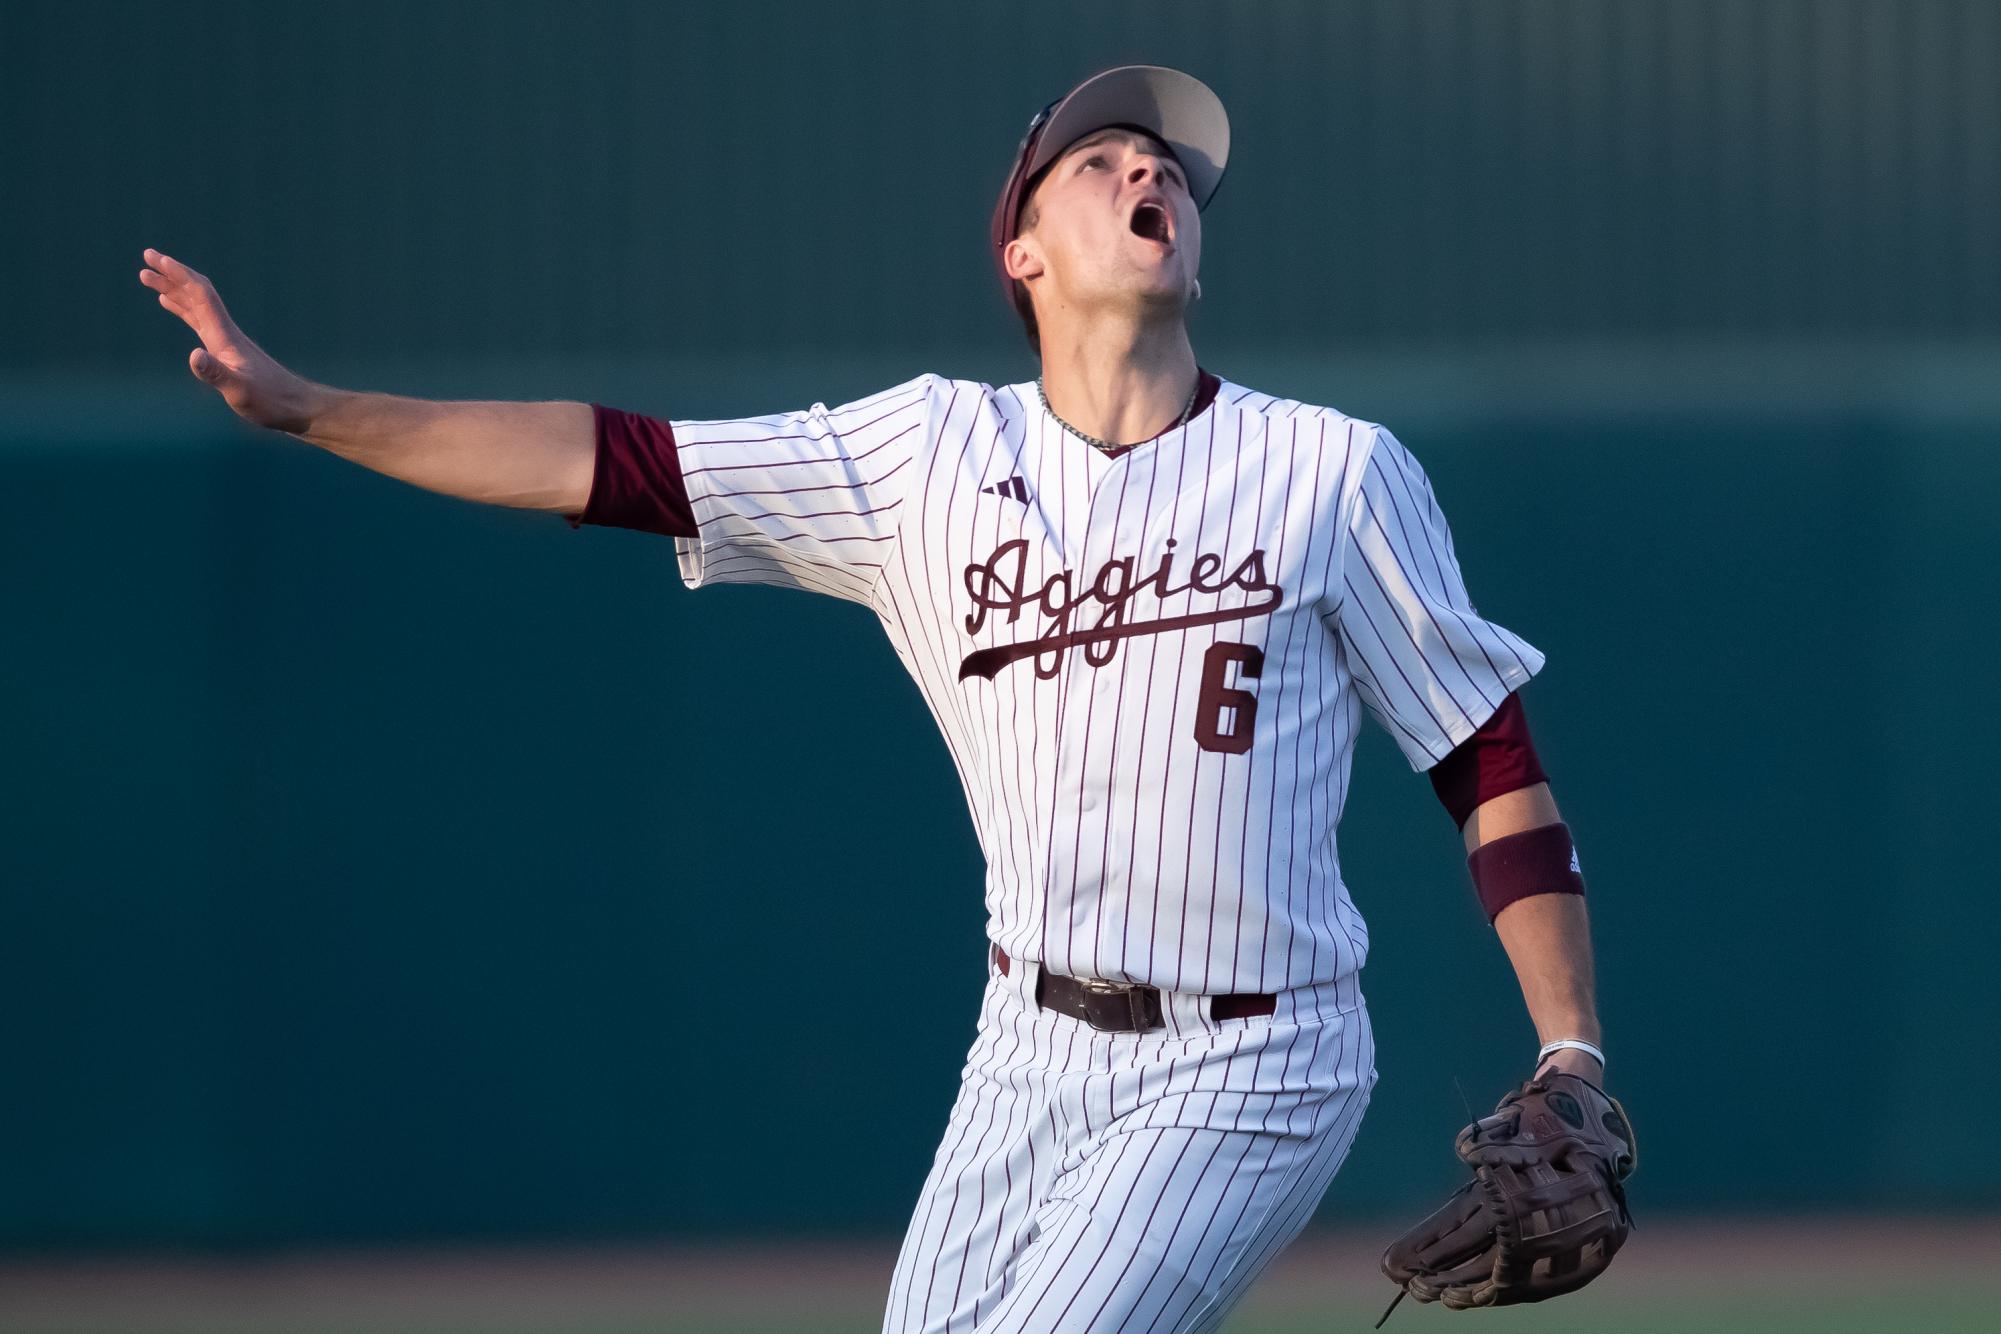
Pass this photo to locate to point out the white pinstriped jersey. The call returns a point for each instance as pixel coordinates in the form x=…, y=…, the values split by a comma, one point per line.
x=1149, y=667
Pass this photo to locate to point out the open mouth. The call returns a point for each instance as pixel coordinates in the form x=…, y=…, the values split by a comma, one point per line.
x=1150, y=221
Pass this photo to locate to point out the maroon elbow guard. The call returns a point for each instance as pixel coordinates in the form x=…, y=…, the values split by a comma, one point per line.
x=1535, y=861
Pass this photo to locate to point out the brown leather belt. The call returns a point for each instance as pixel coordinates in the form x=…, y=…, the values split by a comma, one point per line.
x=1126, y=1007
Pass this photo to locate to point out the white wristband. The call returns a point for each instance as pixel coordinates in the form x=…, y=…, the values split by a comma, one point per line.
x=1571, y=1044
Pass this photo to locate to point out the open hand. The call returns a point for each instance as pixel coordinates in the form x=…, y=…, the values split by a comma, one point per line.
x=255, y=386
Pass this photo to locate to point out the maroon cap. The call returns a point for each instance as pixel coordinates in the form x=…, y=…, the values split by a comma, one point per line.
x=1176, y=108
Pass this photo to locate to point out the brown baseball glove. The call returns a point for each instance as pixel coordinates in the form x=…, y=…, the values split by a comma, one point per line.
x=1545, y=1211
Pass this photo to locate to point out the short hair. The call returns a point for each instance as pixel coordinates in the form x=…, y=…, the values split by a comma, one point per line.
x=1024, y=304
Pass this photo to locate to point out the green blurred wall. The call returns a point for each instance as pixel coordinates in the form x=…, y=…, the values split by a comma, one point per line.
x=382, y=865
x=376, y=866
x=414, y=179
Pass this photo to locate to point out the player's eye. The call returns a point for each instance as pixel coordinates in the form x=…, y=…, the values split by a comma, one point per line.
x=1095, y=160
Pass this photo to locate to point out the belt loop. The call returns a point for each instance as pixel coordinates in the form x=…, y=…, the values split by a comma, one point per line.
x=1018, y=978
x=1187, y=1012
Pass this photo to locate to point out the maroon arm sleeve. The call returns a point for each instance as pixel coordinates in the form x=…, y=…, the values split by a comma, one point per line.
x=1498, y=758
x=636, y=482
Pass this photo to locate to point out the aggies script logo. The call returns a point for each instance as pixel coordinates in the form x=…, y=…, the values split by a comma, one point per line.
x=1099, y=613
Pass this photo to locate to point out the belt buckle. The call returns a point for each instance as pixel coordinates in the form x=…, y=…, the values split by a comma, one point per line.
x=1120, y=1007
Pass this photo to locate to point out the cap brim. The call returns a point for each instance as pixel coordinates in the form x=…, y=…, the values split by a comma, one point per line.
x=1178, y=109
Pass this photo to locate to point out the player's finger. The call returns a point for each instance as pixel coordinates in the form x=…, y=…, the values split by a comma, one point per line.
x=170, y=266
x=159, y=282
x=167, y=285
x=178, y=274
x=167, y=269
x=207, y=369
x=199, y=304
x=174, y=298
x=175, y=306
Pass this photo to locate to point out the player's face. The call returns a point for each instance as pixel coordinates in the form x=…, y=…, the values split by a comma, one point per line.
x=1113, y=223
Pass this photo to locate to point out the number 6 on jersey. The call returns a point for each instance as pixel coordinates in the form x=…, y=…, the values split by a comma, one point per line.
x=1210, y=733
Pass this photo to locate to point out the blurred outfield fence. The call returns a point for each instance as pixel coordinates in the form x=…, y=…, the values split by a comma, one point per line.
x=481, y=179
x=375, y=867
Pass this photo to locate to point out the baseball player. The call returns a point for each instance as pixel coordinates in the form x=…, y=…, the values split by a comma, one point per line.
x=1146, y=607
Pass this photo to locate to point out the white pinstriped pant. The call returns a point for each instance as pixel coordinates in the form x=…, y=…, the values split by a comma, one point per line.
x=1129, y=1182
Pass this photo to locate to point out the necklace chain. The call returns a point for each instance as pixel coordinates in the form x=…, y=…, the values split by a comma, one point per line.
x=1107, y=445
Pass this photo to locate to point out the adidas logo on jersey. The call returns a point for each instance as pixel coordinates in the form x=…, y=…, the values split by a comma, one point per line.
x=1014, y=488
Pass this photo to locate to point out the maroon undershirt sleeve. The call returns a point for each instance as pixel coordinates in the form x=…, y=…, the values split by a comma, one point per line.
x=1497, y=758
x=637, y=481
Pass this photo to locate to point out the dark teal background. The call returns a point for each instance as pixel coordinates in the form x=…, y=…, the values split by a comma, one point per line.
x=374, y=866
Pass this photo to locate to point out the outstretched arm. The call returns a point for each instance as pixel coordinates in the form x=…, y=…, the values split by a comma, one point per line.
x=1547, y=936
x=537, y=456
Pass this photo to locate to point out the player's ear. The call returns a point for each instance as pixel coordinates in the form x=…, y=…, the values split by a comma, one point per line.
x=1023, y=259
